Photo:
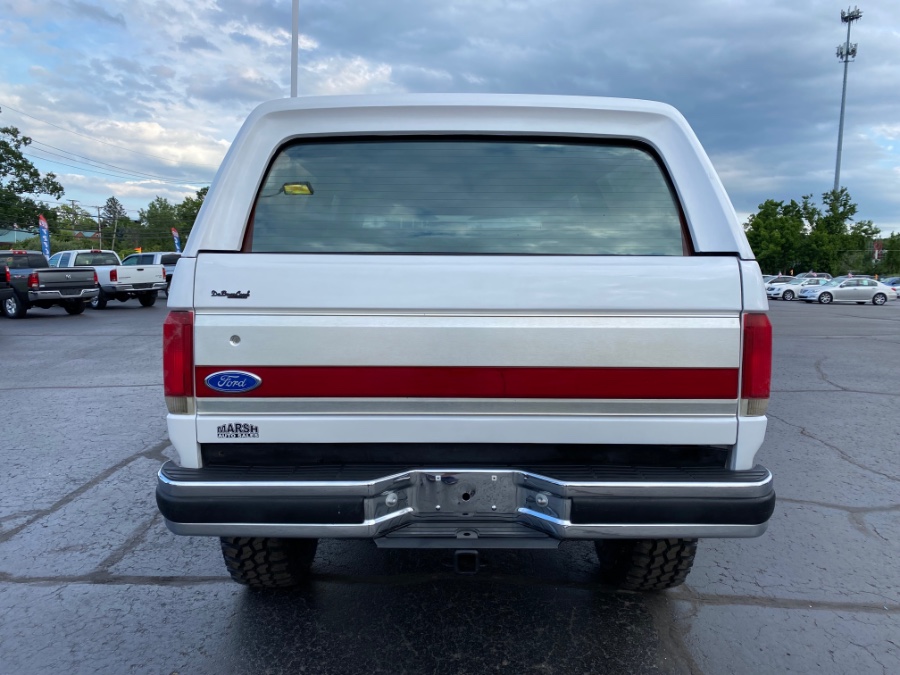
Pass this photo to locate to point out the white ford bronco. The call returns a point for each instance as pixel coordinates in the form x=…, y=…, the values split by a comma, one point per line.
x=467, y=322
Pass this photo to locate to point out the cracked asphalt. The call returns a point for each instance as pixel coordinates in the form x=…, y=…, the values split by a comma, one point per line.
x=92, y=582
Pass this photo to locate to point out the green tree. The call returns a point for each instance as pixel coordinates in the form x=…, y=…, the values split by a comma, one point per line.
x=21, y=183
x=775, y=234
x=157, y=220
x=111, y=215
x=890, y=263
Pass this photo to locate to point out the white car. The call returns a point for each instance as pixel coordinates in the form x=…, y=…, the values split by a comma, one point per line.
x=792, y=289
x=849, y=289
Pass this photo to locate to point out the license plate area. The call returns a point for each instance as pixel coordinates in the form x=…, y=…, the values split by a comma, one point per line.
x=467, y=493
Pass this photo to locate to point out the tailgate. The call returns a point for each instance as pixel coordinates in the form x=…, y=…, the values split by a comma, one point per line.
x=68, y=281
x=467, y=349
x=140, y=274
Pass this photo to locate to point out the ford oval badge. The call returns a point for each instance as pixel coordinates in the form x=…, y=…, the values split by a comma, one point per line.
x=233, y=381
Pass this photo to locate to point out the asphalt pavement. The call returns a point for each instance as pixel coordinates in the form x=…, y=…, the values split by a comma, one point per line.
x=92, y=582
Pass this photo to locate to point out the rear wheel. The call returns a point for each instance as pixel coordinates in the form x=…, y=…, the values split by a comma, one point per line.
x=14, y=308
x=879, y=299
x=825, y=298
x=74, y=307
x=787, y=295
x=99, y=301
x=147, y=299
x=645, y=564
x=264, y=562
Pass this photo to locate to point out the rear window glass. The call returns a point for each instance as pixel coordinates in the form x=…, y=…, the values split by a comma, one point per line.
x=17, y=261
x=466, y=196
x=170, y=259
x=95, y=259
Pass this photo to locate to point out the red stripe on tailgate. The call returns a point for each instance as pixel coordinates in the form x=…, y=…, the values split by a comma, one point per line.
x=453, y=382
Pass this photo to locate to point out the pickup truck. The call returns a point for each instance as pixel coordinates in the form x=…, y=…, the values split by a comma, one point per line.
x=167, y=259
x=118, y=281
x=423, y=320
x=31, y=282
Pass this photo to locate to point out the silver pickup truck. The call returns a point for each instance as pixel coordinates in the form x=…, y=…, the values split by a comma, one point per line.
x=467, y=322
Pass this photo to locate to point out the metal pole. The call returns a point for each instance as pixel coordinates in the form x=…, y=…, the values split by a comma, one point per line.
x=844, y=53
x=295, y=42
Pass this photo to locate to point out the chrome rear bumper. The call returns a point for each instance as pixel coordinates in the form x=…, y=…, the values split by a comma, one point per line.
x=474, y=507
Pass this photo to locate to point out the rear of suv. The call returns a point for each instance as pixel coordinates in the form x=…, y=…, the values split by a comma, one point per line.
x=422, y=320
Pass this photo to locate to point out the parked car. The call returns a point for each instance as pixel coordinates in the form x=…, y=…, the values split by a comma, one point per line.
x=849, y=289
x=33, y=283
x=817, y=275
x=117, y=281
x=790, y=290
x=424, y=320
x=168, y=259
x=780, y=279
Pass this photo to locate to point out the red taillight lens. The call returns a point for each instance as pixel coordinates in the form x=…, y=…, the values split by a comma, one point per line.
x=178, y=354
x=164, y=272
x=113, y=275
x=96, y=278
x=8, y=276
x=33, y=280
x=756, y=364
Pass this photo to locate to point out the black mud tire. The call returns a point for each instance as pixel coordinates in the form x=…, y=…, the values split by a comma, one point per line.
x=879, y=299
x=645, y=564
x=263, y=562
x=787, y=295
x=99, y=301
x=148, y=299
x=825, y=298
x=14, y=308
x=73, y=307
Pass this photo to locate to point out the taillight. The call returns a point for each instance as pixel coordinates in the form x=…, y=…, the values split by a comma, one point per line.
x=113, y=274
x=8, y=276
x=164, y=273
x=96, y=279
x=33, y=281
x=756, y=365
x=178, y=361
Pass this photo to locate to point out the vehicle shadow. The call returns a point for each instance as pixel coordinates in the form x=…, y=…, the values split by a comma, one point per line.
x=368, y=610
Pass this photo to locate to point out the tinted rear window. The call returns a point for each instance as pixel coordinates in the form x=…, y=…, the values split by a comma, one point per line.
x=170, y=259
x=467, y=196
x=95, y=259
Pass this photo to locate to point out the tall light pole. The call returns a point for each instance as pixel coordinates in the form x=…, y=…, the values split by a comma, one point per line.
x=295, y=43
x=845, y=53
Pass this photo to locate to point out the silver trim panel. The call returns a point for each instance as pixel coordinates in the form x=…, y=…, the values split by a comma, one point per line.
x=473, y=406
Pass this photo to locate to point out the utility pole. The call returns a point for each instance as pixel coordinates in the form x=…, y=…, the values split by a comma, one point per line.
x=99, y=227
x=74, y=215
x=295, y=44
x=845, y=52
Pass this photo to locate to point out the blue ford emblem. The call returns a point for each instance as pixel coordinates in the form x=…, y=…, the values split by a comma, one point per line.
x=233, y=381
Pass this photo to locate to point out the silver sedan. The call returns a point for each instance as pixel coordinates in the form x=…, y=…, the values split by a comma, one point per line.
x=792, y=289
x=849, y=289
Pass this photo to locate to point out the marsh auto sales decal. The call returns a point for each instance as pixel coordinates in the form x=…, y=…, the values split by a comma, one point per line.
x=237, y=430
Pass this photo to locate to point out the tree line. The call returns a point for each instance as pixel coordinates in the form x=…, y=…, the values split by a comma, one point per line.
x=803, y=236
x=23, y=189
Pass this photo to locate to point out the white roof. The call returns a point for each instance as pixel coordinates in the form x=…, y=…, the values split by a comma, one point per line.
x=710, y=216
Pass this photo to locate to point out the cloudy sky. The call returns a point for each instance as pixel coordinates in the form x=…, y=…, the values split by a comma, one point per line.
x=150, y=94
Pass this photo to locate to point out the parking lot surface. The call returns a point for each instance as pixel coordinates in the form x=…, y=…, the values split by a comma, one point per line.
x=92, y=582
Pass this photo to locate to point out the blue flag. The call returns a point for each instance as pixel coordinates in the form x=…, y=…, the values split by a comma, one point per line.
x=45, y=235
x=177, y=240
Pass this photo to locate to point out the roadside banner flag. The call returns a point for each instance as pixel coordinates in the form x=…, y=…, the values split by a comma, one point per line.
x=139, y=249
x=177, y=240
x=44, y=230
